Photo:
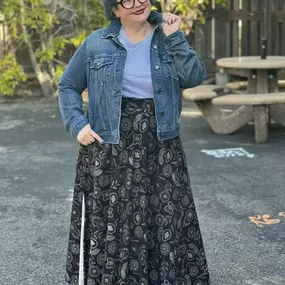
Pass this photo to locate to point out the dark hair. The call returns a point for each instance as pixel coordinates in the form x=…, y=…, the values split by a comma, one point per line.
x=109, y=4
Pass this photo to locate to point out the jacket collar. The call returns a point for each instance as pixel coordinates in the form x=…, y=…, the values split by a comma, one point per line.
x=114, y=27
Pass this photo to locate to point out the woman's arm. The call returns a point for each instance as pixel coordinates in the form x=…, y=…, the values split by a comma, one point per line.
x=71, y=85
x=190, y=70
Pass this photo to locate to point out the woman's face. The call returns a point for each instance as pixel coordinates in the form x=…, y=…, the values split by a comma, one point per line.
x=138, y=14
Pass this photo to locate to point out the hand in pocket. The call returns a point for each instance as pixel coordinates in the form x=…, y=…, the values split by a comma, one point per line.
x=87, y=136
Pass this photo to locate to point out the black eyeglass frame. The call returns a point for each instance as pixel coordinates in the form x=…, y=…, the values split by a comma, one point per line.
x=121, y=3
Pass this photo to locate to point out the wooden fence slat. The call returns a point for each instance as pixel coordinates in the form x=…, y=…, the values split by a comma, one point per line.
x=281, y=38
x=269, y=22
x=275, y=38
x=222, y=37
x=245, y=33
x=255, y=30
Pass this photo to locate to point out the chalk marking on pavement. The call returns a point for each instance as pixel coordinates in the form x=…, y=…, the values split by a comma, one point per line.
x=228, y=152
x=266, y=219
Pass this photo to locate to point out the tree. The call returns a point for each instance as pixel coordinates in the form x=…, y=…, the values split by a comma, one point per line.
x=24, y=19
x=46, y=28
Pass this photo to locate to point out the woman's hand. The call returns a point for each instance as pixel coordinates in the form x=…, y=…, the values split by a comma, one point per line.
x=87, y=136
x=171, y=23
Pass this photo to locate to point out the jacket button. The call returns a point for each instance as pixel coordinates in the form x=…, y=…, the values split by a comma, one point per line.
x=156, y=67
x=155, y=46
x=162, y=113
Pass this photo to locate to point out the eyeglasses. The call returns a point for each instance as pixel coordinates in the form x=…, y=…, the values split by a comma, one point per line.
x=129, y=4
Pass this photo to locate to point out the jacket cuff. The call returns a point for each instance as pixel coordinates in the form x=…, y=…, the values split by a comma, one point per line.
x=78, y=126
x=174, y=39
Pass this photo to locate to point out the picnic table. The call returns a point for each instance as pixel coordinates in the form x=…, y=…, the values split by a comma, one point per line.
x=262, y=101
x=262, y=89
x=262, y=74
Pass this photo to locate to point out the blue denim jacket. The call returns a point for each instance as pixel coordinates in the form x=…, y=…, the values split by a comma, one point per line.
x=98, y=65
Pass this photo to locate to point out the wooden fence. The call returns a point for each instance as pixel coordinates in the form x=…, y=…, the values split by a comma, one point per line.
x=238, y=29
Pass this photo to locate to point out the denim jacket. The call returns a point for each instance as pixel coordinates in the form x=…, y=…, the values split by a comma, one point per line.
x=98, y=65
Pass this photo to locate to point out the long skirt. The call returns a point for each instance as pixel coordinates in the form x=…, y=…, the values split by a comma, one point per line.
x=140, y=221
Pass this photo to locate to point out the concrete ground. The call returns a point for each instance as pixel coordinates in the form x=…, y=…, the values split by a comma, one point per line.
x=37, y=162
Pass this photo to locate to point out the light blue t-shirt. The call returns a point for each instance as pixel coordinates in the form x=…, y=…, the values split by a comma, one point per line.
x=137, y=81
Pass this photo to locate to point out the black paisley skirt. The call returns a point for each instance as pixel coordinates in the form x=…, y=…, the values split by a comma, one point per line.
x=140, y=223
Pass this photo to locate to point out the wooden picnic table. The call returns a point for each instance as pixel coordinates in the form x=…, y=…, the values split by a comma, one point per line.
x=262, y=74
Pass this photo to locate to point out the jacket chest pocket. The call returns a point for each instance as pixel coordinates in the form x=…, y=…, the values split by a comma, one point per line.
x=169, y=67
x=101, y=70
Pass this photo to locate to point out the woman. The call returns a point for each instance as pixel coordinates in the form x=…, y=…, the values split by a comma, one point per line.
x=140, y=223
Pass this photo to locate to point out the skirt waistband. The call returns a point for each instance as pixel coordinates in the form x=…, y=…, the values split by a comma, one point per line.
x=138, y=105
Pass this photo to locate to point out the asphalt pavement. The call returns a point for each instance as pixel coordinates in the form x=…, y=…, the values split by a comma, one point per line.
x=237, y=184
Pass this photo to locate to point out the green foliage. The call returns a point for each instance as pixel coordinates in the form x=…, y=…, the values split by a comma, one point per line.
x=190, y=8
x=47, y=32
x=78, y=39
x=11, y=74
x=90, y=16
x=58, y=72
x=29, y=13
x=53, y=49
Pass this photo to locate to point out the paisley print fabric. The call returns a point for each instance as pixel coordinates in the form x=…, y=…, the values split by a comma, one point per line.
x=141, y=225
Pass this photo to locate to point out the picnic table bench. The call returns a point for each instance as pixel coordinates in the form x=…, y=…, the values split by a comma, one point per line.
x=202, y=92
x=256, y=107
x=243, y=85
x=260, y=107
x=203, y=95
